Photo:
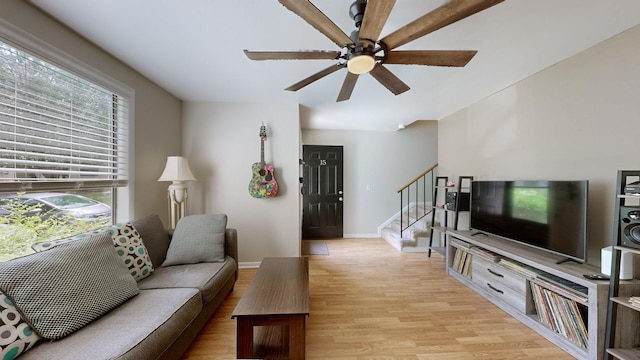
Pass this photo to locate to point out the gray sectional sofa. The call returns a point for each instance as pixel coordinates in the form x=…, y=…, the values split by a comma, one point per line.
x=171, y=306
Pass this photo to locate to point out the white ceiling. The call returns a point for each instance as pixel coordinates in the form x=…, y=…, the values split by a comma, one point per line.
x=193, y=48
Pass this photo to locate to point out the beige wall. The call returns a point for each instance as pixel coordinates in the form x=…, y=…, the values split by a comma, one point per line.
x=575, y=120
x=376, y=165
x=221, y=142
x=156, y=126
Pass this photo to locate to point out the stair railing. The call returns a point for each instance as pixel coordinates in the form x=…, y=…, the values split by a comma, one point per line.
x=420, y=188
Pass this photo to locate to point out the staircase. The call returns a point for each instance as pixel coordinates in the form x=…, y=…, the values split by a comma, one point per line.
x=415, y=237
x=408, y=230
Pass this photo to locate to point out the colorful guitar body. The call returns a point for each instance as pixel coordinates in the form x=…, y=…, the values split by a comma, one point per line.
x=263, y=183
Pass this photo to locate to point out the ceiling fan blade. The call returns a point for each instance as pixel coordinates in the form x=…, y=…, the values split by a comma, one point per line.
x=456, y=58
x=292, y=55
x=375, y=16
x=319, y=75
x=390, y=81
x=347, y=86
x=440, y=17
x=316, y=18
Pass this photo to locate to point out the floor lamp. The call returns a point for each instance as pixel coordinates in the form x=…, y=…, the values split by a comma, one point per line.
x=177, y=171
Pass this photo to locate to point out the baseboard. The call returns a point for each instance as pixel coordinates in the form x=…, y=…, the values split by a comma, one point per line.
x=249, y=265
x=360, y=236
x=255, y=265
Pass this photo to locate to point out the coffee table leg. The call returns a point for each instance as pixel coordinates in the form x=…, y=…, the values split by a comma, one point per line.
x=297, y=337
x=244, y=345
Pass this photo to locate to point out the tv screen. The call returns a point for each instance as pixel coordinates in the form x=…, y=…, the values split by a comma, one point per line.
x=551, y=215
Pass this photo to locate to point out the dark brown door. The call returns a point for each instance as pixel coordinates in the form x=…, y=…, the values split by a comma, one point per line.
x=322, y=192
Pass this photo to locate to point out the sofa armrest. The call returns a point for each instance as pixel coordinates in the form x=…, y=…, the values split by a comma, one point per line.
x=231, y=245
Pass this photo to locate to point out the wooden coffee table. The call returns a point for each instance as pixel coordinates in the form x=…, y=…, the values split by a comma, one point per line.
x=276, y=302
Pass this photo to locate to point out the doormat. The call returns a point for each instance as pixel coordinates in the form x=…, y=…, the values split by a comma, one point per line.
x=314, y=247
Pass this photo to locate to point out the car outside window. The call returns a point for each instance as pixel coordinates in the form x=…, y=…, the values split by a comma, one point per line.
x=28, y=218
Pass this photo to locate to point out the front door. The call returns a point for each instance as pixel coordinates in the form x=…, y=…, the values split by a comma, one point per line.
x=322, y=192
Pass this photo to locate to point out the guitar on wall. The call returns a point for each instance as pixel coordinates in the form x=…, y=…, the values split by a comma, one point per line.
x=263, y=183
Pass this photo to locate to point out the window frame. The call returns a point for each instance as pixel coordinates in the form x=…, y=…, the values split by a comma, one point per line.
x=121, y=194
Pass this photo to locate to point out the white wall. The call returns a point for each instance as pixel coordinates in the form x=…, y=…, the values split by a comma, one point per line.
x=156, y=127
x=376, y=165
x=221, y=142
x=575, y=120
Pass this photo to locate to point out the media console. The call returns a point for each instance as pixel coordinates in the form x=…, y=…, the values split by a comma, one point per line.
x=555, y=300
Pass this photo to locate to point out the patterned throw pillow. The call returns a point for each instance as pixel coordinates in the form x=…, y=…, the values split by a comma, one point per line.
x=131, y=250
x=16, y=336
x=127, y=241
x=74, y=283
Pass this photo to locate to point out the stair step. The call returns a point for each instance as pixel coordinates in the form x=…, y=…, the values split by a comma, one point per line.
x=413, y=221
x=413, y=216
x=413, y=238
x=409, y=243
x=410, y=234
x=392, y=237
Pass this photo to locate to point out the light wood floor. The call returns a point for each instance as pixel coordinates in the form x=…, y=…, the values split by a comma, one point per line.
x=369, y=301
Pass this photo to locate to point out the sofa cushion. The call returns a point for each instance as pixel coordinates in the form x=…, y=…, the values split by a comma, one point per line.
x=197, y=238
x=16, y=336
x=60, y=290
x=142, y=328
x=208, y=278
x=154, y=236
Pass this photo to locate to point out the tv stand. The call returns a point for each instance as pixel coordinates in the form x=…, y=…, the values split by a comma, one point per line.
x=478, y=233
x=526, y=282
x=562, y=261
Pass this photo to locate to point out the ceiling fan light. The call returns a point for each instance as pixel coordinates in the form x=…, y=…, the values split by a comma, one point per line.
x=361, y=64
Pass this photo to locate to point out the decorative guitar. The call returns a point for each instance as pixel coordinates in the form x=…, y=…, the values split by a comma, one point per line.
x=263, y=184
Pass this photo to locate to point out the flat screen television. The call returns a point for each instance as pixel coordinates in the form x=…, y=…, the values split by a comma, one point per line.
x=550, y=215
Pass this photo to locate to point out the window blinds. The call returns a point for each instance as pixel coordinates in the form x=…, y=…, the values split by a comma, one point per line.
x=57, y=130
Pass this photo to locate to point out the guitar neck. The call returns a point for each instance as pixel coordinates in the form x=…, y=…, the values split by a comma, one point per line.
x=263, y=137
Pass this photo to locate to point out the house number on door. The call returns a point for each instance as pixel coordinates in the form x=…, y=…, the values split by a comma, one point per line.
x=323, y=162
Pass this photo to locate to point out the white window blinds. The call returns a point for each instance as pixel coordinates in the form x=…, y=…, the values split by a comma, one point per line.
x=58, y=130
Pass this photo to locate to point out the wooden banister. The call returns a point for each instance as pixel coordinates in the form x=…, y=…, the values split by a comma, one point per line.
x=417, y=177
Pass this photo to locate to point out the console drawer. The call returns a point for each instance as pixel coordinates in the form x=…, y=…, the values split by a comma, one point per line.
x=498, y=275
x=499, y=290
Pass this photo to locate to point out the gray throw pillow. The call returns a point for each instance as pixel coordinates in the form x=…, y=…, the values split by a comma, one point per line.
x=154, y=236
x=63, y=289
x=197, y=238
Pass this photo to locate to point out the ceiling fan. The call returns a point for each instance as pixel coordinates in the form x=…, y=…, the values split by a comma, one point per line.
x=363, y=52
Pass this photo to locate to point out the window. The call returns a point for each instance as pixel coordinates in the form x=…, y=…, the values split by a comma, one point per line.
x=63, y=150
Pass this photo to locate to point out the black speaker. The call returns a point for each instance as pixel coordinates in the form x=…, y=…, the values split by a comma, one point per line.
x=630, y=226
x=464, y=201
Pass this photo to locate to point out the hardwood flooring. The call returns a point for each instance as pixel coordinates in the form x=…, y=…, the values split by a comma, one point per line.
x=369, y=301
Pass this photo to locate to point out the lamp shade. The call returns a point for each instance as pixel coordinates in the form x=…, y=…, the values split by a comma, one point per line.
x=176, y=169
